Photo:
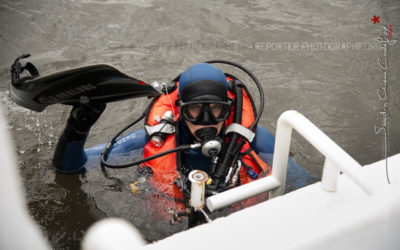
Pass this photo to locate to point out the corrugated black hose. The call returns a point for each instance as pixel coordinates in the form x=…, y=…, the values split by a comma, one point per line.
x=237, y=118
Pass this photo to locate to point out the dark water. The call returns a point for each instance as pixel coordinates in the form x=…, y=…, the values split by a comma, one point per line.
x=317, y=57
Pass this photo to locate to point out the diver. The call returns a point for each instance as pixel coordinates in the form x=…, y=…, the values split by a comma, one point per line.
x=203, y=120
x=205, y=107
x=202, y=107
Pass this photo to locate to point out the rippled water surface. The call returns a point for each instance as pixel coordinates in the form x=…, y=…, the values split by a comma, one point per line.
x=317, y=57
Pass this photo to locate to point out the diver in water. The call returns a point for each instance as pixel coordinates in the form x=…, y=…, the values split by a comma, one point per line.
x=205, y=120
x=206, y=105
x=199, y=111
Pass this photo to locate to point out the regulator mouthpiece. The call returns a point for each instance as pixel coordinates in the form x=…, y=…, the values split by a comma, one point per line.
x=211, y=144
x=206, y=133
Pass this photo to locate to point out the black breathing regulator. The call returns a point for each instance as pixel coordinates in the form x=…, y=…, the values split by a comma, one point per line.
x=211, y=144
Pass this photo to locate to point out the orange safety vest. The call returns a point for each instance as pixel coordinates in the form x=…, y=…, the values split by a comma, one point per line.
x=165, y=167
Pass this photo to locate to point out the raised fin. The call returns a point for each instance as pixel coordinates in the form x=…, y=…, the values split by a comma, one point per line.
x=100, y=83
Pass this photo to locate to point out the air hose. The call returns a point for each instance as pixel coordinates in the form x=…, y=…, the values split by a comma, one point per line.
x=234, y=148
x=237, y=118
x=259, y=87
x=180, y=148
x=104, y=154
x=108, y=147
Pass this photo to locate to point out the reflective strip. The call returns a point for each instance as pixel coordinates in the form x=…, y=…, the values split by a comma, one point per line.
x=241, y=130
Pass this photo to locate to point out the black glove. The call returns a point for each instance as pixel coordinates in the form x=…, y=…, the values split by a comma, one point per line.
x=82, y=117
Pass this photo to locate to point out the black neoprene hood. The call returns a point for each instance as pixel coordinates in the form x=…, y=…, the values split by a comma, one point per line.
x=204, y=90
x=203, y=81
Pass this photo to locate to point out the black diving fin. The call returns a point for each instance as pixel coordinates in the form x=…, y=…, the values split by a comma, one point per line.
x=100, y=83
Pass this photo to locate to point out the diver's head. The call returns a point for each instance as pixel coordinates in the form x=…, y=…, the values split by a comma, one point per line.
x=203, y=97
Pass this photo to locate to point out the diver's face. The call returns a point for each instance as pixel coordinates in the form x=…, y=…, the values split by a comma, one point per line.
x=193, y=128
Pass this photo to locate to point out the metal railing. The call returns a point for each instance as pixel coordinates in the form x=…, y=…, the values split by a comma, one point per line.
x=336, y=160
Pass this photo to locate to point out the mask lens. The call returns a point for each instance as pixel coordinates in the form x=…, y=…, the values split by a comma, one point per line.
x=193, y=110
x=216, y=109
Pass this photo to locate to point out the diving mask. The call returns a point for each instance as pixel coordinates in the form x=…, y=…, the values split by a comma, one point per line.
x=205, y=112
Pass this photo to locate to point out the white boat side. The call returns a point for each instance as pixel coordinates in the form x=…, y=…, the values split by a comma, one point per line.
x=17, y=228
x=354, y=210
x=309, y=218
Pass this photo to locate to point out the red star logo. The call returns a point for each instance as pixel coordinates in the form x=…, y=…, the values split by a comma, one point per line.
x=375, y=19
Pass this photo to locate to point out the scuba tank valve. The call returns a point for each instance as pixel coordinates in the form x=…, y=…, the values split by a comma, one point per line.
x=158, y=132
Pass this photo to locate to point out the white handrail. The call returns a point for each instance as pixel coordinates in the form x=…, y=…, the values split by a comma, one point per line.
x=240, y=193
x=336, y=160
x=335, y=156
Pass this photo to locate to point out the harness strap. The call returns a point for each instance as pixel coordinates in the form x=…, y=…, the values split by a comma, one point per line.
x=239, y=129
x=265, y=169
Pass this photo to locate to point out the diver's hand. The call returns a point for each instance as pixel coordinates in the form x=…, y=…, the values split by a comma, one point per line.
x=82, y=117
